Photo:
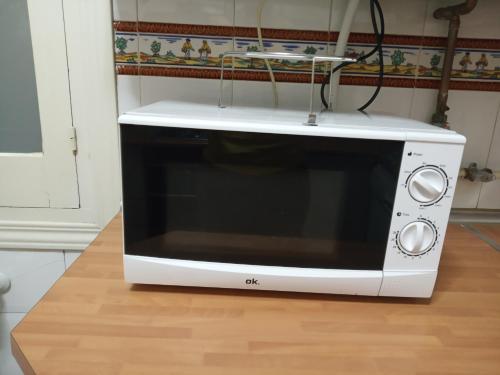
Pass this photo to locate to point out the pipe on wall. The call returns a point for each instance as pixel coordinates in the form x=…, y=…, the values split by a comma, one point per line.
x=340, y=47
x=452, y=14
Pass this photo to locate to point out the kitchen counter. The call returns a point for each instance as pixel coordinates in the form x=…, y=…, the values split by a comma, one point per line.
x=92, y=322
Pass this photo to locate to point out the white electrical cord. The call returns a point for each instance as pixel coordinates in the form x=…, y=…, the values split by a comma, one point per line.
x=261, y=45
x=340, y=48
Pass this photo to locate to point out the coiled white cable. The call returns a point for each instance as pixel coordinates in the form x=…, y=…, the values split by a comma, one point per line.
x=260, y=9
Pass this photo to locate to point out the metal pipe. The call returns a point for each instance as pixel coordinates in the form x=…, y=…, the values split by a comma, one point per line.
x=439, y=117
x=463, y=173
x=448, y=13
x=474, y=174
x=452, y=14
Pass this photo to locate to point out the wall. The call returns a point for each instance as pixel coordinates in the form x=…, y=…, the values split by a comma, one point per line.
x=146, y=74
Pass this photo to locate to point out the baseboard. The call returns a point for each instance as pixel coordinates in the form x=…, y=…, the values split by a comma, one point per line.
x=46, y=235
x=474, y=216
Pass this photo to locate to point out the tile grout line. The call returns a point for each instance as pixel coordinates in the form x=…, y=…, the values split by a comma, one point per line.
x=419, y=59
x=495, y=126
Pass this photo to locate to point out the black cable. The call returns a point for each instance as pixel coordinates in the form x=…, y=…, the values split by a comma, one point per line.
x=380, y=53
x=379, y=37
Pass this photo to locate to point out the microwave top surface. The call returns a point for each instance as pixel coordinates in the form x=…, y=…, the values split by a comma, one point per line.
x=260, y=120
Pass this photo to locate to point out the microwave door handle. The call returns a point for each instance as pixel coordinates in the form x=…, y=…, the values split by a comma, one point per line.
x=311, y=119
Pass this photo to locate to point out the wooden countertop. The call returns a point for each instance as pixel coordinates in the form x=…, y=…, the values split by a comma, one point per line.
x=92, y=322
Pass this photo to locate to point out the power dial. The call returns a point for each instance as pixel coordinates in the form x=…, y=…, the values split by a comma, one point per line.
x=417, y=238
x=427, y=184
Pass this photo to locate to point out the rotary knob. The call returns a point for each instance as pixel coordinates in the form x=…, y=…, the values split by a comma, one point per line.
x=417, y=238
x=427, y=185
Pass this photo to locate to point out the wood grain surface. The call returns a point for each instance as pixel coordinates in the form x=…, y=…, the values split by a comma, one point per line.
x=92, y=322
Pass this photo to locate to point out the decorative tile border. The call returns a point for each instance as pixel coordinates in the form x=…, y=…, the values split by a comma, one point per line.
x=126, y=47
x=179, y=50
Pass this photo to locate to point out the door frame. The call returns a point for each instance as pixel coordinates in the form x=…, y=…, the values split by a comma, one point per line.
x=47, y=178
x=90, y=61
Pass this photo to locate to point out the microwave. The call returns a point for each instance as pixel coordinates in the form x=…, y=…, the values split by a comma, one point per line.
x=255, y=198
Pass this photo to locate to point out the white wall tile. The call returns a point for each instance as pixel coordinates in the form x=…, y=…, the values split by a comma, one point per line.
x=125, y=10
x=473, y=114
x=466, y=194
x=70, y=257
x=401, y=17
x=489, y=197
x=31, y=273
x=195, y=90
x=337, y=12
x=290, y=95
x=494, y=156
x=490, y=191
x=432, y=26
x=391, y=100
x=200, y=12
x=284, y=14
x=396, y=101
x=423, y=104
x=482, y=22
x=8, y=364
x=129, y=92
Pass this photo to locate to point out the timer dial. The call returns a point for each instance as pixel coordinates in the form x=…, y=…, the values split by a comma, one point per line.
x=427, y=185
x=417, y=238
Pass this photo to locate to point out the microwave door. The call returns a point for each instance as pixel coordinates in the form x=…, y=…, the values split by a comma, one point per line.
x=259, y=199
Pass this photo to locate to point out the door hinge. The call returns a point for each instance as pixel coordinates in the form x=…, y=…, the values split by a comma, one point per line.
x=72, y=139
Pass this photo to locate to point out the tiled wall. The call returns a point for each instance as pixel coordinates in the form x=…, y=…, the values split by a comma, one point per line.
x=161, y=54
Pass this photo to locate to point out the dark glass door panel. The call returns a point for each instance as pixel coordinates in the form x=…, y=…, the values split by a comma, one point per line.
x=253, y=198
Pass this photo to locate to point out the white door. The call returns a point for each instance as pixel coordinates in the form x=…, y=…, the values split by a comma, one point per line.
x=37, y=140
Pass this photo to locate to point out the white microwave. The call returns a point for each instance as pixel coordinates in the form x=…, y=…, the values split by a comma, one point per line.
x=256, y=199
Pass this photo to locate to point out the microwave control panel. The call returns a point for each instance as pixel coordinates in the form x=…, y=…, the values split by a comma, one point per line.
x=422, y=205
